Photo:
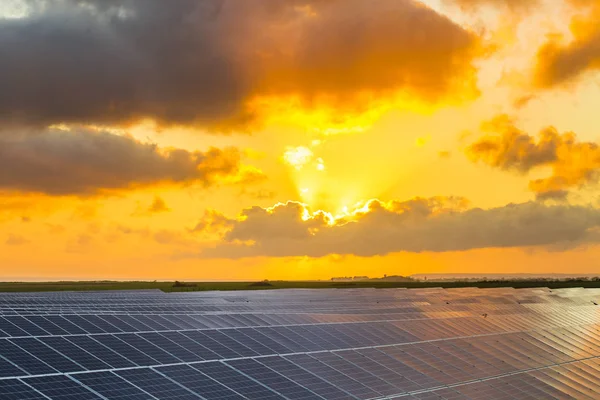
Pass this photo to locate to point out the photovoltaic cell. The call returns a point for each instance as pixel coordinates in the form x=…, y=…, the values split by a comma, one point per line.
x=24, y=360
x=112, y=386
x=272, y=379
x=75, y=353
x=53, y=358
x=14, y=389
x=234, y=380
x=8, y=369
x=199, y=383
x=308, y=380
x=156, y=384
x=101, y=352
x=61, y=387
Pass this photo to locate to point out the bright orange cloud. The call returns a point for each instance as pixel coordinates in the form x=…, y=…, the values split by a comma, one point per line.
x=573, y=163
x=561, y=61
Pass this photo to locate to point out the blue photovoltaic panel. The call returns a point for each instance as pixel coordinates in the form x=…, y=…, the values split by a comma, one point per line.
x=199, y=383
x=157, y=385
x=60, y=387
x=234, y=379
x=53, y=358
x=105, y=354
x=8, y=369
x=272, y=379
x=24, y=360
x=13, y=389
x=75, y=353
x=111, y=386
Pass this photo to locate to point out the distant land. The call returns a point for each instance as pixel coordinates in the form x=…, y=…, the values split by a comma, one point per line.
x=458, y=276
x=376, y=283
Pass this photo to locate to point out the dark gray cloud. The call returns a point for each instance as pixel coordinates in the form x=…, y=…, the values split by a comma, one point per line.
x=435, y=225
x=115, y=61
x=199, y=61
x=88, y=162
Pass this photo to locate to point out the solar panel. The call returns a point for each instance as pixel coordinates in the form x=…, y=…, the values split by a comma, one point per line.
x=61, y=387
x=156, y=384
x=14, y=389
x=111, y=386
x=301, y=344
x=198, y=382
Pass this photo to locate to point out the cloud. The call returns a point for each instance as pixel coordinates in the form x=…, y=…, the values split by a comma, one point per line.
x=572, y=163
x=509, y=148
x=204, y=62
x=16, y=240
x=246, y=175
x=512, y=5
x=157, y=206
x=560, y=61
x=213, y=222
x=522, y=101
x=258, y=194
x=86, y=162
x=378, y=228
x=171, y=237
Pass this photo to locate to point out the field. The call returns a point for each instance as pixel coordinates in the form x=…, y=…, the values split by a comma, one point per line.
x=204, y=286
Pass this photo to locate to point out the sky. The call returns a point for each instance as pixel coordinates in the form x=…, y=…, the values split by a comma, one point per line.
x=298, y=139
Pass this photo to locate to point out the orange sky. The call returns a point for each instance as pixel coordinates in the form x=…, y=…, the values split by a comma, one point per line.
x=298, y=140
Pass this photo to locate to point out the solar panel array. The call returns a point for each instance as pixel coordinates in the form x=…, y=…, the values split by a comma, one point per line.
x=301, y=344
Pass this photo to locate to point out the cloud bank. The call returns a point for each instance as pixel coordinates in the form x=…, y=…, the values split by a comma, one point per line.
x=378, y=228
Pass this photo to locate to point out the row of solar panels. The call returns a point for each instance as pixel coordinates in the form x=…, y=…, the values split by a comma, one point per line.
x=153, y=348
x=518, y=319
x=361, y=374
x=365, y=311
x=302, y=298
x=40, y=356
x=362, y=312
x=48, y=355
